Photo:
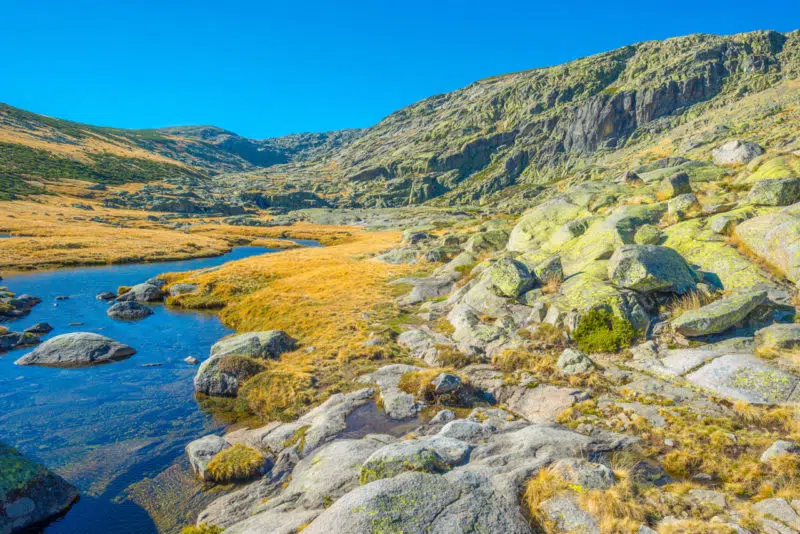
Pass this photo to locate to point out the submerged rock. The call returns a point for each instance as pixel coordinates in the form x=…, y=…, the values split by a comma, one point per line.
x=29, y=493
x=77, y=349
x=719, y=315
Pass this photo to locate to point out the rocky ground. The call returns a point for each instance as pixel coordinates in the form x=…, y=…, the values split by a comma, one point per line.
x=621, y=358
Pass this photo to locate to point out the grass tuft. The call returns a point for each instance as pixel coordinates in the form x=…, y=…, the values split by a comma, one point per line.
x=238, y=462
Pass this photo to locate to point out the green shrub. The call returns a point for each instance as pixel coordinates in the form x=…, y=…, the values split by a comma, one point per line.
x=238, y=462
x=602, y=331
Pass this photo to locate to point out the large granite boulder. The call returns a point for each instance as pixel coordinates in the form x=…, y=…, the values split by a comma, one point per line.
x=781, y=192
x=29, y=493
x=736, y=152
x=77, y=349
x=775, y=237
x=267, y=345
x=129, y=311
x=417, y=503
x=510, y=277
x=647, y=268
x=719, y=315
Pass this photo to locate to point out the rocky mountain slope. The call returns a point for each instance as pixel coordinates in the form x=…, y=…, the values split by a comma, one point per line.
x=495, y=142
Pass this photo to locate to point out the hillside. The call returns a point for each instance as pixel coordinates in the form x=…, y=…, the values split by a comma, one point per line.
x=495, y=142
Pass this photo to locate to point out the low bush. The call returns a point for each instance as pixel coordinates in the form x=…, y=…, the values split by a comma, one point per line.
x=602, y=331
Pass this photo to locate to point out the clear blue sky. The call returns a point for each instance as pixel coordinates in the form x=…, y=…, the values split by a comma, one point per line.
x=265, y=68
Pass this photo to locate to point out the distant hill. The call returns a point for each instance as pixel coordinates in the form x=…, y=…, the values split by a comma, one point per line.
x=494, y=142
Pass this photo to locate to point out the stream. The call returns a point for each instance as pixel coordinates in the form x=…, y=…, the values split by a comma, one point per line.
x=103, y=428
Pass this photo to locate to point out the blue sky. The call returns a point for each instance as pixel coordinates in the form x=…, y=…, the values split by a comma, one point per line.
x=270, y=68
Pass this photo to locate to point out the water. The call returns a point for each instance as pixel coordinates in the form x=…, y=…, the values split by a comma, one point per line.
x=103, y=428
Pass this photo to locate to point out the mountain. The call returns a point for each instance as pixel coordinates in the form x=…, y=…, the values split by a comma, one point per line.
x=494, y=142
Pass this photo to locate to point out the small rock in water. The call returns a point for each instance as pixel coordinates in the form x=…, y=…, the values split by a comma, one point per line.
x=155, y=364
x=39, y=328
x=62, y=297
x=106, y=295
x=191, y=360
x=74, y=324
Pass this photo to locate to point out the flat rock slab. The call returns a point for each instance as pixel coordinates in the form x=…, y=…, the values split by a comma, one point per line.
x=748, y=378
x=77, y=349
x=720, y=315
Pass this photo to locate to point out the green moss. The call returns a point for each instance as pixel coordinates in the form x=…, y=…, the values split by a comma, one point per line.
x=16, y=471
x=602, y=331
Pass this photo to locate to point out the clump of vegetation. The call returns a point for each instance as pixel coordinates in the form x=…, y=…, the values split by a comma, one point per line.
x=298, y=438
x=418, y=383
x=450, y=356
x=545, y=335
x=689, y=301
x=281, y=394
x=602, y=331
x=242, y=367
x=239, y=462
x=203, y=528
x=443, y=326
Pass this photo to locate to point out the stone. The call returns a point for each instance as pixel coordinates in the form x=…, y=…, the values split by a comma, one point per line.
x=413, y=237
x=396, y=403
x=77, y=349
x=39, y=328
x=720, y=315
x=648, y=234
x=424, y=344
x=465, y=430
x=585, y=474
x=181, y=289
x=775, y=238
x=129, y=311
x=746, y=377
x=648, y=268
x=781, y=192
x=549, y=269
x=446, y=383
x=490, y=241
x=30, y=494
x=106, y=295
x=511, y=278
x=703, y=496
x=435, y=455
x=677, y=184
x=736, y=152
x=191, y=360
x=779, y=509
x=684, y=206
x=201, y=451
x=568, y=516
x=422, y=503
x=778, y=337
x=269, y=344
x=15, y=340
x=574, y=362
x=780, y=447
x=144, y=292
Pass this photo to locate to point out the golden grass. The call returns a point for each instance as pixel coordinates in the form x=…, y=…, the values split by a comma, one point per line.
x=689, y=301
x=238, y=462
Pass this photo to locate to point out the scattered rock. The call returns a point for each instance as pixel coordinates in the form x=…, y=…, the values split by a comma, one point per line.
x=780, y=447
x=778, y=337
x=677, y=184
x=201, y=451
x=510, y=277
x=76, y=349
x=720, y=315
x=574, y=362
x=144, y=292
x=269, y=344
x=129, y=311
x=181, y=289
x=568, y=516
x=39, y=328
x=106, y=295
x=191, y=360
x=780, y=192
x=647, y=268
x=585, y=474
x=736, y=152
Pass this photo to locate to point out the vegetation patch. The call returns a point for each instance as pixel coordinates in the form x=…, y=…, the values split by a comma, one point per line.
x=602, y=331
x=238, y=462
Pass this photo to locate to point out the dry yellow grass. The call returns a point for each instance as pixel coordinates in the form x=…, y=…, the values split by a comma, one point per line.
x=238, y=462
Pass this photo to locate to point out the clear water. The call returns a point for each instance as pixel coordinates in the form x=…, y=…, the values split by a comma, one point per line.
x=103, y=428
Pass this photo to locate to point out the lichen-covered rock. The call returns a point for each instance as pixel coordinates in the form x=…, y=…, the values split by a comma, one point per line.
x=490, y=241
x=29, y=493
x=573, y=362
x=736, y=152
x=584, y=474
x=181, y=289
x=780, y=447
x=780, y=192
x=677, y=184
x=568, y=516
x=129, y=311
x=77, y=349
x=201, y=451
x=435, y=455
x=647, y=268
x=748, y=378
x=684, y=206
x=510, y=277
x=775, y=237
x=549, y=269
x=268, y=344
x=779, y=337
x=539, y=224
x=422, y=503
x=719, y=315
x=647, y=234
